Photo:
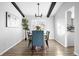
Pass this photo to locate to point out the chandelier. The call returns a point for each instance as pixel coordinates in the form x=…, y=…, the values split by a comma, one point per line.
x=38, y=12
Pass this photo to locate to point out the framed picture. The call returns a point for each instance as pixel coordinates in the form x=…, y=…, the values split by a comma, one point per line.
x=12, y=20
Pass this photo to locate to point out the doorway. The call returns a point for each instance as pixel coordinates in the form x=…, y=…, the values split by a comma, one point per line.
x=70, y=27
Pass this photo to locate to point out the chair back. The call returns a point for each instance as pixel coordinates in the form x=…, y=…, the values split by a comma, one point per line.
x=29, y=36
x=47, y=35
x=37, y=38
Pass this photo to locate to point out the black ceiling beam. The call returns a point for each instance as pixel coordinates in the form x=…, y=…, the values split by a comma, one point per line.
x=51, y=8
x=15, y=5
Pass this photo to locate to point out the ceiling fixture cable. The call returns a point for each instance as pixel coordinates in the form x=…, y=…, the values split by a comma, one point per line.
x=38, y=12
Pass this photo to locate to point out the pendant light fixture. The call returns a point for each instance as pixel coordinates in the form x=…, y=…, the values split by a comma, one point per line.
x=38, y=12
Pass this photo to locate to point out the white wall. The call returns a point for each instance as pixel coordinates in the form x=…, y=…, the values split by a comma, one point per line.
x=8, y=36
x=77, y=28
x=61, y=31
x=70, y=38
x=61, y=23
x=47, y=21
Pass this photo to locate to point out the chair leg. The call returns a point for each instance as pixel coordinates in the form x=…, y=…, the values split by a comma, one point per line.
x=29, y=43
x=42, y=47
x=33, y=47
x=47, y=43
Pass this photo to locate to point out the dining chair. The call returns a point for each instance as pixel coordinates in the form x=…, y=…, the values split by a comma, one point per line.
x=37, y=39
x=29, y=39
x=47, y=38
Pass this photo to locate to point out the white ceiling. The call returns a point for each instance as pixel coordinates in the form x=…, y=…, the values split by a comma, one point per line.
x=30, y=8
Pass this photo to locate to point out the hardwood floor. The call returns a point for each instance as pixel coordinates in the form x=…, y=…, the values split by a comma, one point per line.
x=55, y=49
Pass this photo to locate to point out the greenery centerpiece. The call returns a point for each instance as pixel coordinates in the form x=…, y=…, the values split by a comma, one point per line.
x=38, y=28
x=25, y=25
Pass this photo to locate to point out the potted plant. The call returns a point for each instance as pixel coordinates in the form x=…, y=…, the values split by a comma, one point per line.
x=25, y=25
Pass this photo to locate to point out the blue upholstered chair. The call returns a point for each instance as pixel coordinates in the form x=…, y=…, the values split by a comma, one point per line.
x=37, y=39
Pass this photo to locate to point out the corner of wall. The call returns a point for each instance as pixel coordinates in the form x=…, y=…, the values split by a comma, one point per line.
x=76, y=53
x=61, y=43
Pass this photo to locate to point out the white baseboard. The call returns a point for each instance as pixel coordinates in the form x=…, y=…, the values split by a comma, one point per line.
x=10, y=47
x=76, y=53
x=60, y=43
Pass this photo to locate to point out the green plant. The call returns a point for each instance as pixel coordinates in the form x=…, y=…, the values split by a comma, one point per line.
x=25, y=25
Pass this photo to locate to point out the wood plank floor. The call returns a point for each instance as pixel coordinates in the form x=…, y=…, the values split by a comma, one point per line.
x=55, y=49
